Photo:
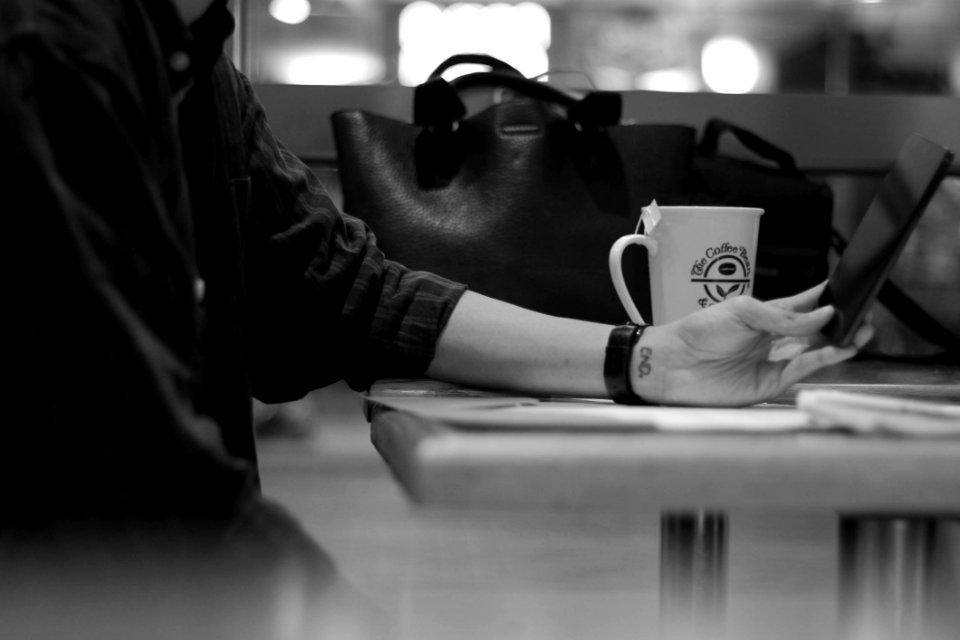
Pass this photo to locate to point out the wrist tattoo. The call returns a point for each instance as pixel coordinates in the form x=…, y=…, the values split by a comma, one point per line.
x=644, y=367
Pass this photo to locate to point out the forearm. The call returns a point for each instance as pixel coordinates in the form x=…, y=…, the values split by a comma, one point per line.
x=489, y=343
x=736, y=353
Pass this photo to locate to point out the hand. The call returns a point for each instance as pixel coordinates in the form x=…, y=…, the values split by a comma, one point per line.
x=739, y=352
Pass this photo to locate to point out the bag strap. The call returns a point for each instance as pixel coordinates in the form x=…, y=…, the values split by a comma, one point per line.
x=908, y=311
x=495, y=64
x=437, y=103
x=710, y=143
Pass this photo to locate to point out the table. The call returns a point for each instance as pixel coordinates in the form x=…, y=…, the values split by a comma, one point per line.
x=890, y=494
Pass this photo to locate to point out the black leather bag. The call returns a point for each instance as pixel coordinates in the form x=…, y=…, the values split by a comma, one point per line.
x=523, y=199
x=520, y=200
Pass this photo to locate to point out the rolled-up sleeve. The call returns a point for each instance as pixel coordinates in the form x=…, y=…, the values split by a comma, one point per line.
x=325, y=302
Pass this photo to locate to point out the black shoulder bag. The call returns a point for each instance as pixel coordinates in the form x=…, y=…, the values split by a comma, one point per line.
x=521, y=200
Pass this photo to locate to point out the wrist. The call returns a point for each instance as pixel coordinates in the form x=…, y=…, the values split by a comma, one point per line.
x=647, y=365
x=622, y=360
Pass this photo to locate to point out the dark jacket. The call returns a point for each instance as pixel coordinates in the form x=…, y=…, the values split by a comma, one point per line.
x=164, y=261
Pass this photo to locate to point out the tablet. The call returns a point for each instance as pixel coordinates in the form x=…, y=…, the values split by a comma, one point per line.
x=881, y=235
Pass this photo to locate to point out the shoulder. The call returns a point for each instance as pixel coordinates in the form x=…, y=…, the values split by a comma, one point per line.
x=103, y=39
x=74, y=26
x=233, y=87
x=104, y=54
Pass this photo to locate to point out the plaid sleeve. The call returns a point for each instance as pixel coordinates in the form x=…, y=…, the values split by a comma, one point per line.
x=326, y=304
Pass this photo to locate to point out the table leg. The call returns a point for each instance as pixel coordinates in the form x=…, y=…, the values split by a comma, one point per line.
x=895, y=579
x=693, y=573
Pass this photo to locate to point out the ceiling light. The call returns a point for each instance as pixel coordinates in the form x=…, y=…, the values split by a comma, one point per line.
x=290, y=11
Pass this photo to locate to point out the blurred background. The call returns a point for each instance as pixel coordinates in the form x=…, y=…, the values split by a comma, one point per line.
x=838, y=83
x=724, y=46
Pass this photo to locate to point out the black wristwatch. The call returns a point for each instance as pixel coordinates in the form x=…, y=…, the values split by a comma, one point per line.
x=616, y=363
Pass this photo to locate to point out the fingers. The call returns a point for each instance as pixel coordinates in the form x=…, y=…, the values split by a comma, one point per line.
x=809, y=362
x=803, y=301
x=778, y=320
x=863, y=335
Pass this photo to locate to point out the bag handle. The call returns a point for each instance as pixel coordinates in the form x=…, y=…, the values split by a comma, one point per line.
x=437, y=104
x=495, y=64
x=710, y=143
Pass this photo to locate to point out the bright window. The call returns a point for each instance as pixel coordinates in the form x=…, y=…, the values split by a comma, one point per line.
x=756, y=46
x=428, y=33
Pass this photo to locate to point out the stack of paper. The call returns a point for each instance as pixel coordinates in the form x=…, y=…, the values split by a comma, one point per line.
x=879, y=414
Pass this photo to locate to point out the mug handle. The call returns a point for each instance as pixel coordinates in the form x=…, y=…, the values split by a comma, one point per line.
x=616, y=270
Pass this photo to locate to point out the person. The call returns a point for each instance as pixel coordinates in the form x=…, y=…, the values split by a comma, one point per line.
x=167, y=259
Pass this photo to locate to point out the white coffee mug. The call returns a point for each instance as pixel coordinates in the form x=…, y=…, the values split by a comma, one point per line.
x=698, y=256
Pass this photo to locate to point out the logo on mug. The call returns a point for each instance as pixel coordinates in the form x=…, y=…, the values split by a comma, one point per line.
x=724, y=272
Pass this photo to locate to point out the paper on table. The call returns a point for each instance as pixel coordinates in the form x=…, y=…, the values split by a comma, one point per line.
x=533, y=414
x=879, y=414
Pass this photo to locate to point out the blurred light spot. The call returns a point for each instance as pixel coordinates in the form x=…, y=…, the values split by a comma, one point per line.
x=677, y=80
x=419, y=22
x=730, y=65
x=534, y=21
x=290, y=11
x=429, y=33
x=333, y=67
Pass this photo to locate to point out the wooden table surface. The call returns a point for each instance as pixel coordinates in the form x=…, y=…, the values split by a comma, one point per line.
x=436, y=572
x=421, y=571
x=443, y=464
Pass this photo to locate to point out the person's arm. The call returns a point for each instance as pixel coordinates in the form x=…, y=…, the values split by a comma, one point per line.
x=489, y=343
x=736, y=353
x=323, y=301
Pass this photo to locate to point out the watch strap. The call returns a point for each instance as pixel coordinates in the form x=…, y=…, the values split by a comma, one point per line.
x=616, y=363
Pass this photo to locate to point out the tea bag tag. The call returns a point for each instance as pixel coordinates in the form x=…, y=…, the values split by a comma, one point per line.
x=649, y=217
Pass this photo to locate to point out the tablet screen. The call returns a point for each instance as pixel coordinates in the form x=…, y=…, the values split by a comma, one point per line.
x=883, y=231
